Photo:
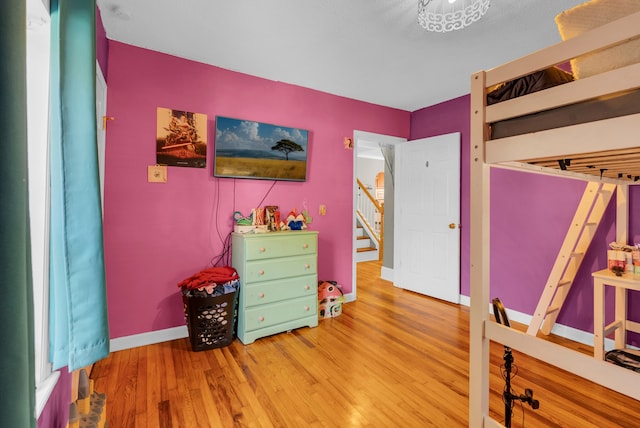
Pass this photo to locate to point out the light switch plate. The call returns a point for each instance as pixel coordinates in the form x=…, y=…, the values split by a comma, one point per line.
x=157, y=174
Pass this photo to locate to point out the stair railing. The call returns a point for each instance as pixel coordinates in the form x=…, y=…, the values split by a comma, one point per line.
x=371, y=214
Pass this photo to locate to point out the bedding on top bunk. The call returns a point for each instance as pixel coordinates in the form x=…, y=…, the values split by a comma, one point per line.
x=528, y=84
x=592, y=14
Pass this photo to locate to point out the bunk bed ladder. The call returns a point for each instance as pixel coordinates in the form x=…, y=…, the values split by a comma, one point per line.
x=583, y=227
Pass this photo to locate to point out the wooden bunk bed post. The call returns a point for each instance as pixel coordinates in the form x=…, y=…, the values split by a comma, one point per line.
x=622, y=213
x=479, y=258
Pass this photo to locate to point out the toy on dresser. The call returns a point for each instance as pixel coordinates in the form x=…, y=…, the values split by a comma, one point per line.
x=330, y=298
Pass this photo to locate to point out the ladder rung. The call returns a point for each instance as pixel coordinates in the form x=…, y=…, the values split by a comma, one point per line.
x=591, y=223
x=612, y=327
x=564, y=282
x=576, y=254
x=553, y=309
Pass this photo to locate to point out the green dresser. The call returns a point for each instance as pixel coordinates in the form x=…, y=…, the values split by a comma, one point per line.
x=278, y=282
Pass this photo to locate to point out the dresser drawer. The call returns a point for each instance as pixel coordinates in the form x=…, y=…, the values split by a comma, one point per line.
x=276, y=313
x=281, y=246
x=266, y=270
x=281, y=289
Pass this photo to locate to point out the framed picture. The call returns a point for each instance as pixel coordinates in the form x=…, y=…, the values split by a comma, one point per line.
x=181, y=138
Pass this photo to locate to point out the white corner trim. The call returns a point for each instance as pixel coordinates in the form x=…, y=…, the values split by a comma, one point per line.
x=128, y=342
x=44, y=390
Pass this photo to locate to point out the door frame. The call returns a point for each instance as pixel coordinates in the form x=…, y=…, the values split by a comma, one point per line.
x=360, y=136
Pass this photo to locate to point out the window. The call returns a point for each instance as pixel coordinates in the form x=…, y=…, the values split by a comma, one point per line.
x=38, y=39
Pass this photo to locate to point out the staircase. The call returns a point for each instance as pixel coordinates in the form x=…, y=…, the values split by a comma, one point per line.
x=366, y=250
x=369, y=226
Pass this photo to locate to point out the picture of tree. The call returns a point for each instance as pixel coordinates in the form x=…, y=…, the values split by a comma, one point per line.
x=286, y=147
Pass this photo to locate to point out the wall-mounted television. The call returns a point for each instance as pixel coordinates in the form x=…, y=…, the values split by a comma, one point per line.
x=247, y=149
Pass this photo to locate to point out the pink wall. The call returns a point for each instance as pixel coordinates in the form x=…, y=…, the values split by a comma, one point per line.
x=530, y=215
x=56, y=412
x=158, y=234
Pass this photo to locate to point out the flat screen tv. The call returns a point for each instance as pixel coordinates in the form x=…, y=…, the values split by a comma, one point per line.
x=247, y=149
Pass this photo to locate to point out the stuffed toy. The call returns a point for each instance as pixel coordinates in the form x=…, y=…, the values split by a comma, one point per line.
x=296, y=221
x=330, y=298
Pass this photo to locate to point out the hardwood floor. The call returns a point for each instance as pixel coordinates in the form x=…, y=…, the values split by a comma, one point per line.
x=392, y=359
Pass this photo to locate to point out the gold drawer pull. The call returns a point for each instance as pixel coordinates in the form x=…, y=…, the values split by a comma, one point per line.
x=306, y=287
x=260, y=318
x=261, y=295
x=262, y=249
x=307, y=266
x=306, y=308
x=305, y=246
x=260, y=272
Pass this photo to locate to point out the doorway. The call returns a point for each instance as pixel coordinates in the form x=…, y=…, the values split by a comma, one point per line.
x=370, y=145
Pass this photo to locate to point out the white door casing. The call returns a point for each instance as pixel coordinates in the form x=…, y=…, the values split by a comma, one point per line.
x=358, y=138
x=101, y=112
x=427, y=217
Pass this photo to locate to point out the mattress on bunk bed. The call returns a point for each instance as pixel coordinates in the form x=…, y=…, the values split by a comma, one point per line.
x=615, y=105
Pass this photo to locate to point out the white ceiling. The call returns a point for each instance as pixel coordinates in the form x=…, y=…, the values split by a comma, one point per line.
x=369, y=50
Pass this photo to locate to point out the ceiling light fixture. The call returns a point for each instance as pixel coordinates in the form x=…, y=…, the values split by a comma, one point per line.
x=442, y=16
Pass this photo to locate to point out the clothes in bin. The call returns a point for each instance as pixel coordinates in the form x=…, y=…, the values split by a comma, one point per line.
x=210, y=301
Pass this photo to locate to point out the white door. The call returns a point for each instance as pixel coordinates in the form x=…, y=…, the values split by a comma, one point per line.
x=427, y=217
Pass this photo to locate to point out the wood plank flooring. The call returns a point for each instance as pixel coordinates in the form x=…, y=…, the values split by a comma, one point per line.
x=392, y=359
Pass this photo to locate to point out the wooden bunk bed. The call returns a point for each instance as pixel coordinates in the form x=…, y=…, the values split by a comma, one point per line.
x=602, y=150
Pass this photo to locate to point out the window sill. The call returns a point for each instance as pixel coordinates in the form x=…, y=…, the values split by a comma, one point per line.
x=44, y=390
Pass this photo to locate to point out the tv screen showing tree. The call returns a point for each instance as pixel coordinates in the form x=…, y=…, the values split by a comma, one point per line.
x=247, y=149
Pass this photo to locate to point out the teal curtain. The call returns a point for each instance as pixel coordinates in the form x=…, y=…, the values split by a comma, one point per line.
x=79, y=333
x=17, y=378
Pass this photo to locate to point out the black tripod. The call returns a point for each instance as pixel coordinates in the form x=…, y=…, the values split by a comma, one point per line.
x=509, y=397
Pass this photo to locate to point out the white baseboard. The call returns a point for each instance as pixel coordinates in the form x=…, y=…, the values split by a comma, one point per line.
x=567, y=332
x=386, y=273
x=465, y=300
x=128, y=342
x=349, y=297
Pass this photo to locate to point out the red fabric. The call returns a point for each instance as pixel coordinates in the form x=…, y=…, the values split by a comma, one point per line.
x=218, y=275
